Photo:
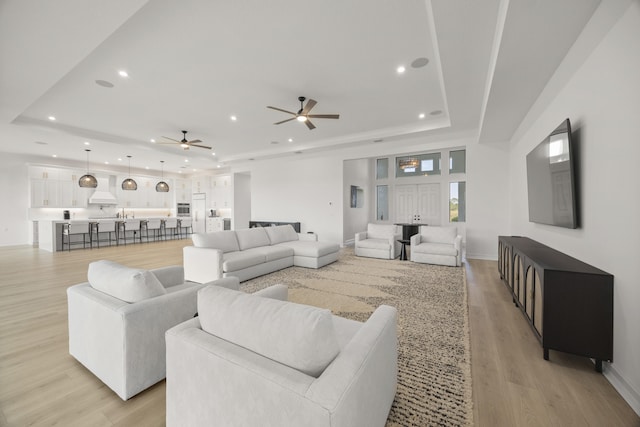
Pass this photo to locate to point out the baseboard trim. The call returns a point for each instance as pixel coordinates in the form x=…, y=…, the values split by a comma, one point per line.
x=486, y=257
x=628, y=393
x=350, y=242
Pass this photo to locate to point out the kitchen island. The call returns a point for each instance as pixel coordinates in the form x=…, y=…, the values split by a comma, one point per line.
x=50, y=231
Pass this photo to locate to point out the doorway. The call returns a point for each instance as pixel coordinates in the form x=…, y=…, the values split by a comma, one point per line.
x=418, y=203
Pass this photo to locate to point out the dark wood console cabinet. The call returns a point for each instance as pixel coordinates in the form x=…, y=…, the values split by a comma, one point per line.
x=295, y=225
x=568, y=303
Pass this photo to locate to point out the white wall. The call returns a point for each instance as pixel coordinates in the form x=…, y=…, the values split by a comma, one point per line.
x=300, y=188
x=602, y=100
x=358, y=173
x=241, y=200
x=15, y=228
x=487, y=200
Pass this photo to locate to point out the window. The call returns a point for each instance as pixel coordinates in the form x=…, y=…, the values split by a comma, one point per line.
x=382, y=168
x=457, y=160
x=382, y=202
x=418, y=165
x=457, y=201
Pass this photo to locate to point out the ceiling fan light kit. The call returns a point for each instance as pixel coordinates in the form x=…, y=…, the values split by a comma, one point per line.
x=88, y=180
x=129, y=184
x=184, y=143
x=303, y=115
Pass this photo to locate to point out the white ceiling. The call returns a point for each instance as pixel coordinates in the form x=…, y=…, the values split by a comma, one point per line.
x=193, y=64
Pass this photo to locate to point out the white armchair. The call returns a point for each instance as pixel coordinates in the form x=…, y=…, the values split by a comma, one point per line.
x=250, y=361
x=379, y=241
x=437, y=245
x=117, y=322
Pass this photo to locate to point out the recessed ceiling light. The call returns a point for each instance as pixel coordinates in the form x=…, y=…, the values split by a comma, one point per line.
x=401, y=69
x=194, y=170
x=435, y=112
x=52, y=118
x=179, y=171
x=54, y=155
x=290, y=139
x=152, y=140
x=104, y=83
x=123, y=73
x=213, y=154
x=87, y=143
x=106, y=162
x=420, y=62
x=146, y=167
x=186, y=160
x=421, y=116
x=234, y=118
x=218, y=165
x=119, y=159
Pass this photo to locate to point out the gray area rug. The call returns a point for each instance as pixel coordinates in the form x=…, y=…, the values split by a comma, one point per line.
x=434, y=363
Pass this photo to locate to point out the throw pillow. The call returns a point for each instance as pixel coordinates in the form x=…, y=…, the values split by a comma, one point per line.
x=126, y=284
x=299, y=336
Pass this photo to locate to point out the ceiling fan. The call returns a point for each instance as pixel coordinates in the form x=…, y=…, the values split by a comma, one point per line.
x=184, y=143
x=303, y=113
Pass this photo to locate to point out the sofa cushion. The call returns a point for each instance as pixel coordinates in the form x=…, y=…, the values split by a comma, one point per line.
x=281, y=233
x=234, y=261
x=299, y=336
x=311, y=248
x=435, y=249
x=380, y=231
x=124, y=283
x=225, y=241
x=252, y=238
x=273, y=253
x=374, y=244
x=438, y=234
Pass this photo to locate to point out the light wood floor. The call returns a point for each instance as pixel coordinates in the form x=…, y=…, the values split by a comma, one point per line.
x=40, y=384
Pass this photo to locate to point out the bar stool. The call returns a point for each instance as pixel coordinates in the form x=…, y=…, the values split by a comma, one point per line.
x=75, y=229
x=186, y=224
x=155, y=225
x=107, y=226
x=132, y=225
x=170, y=224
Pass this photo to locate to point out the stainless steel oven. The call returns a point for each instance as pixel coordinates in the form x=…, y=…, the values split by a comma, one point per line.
x=183, y=210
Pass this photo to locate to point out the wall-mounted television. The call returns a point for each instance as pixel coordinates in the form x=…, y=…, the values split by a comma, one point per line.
x=551, y=180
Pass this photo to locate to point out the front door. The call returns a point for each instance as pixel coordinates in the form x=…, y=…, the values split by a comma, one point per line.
x=418, y=203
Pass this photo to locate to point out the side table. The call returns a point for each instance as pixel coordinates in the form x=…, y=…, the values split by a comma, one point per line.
x=403, y=249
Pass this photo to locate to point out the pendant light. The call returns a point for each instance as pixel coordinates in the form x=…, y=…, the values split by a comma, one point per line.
x=162, y=187
x=88, y=180
x=129, y=184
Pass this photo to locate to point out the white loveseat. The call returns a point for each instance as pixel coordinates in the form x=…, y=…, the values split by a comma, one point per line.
x=379, y=241
x=249, y=361
x=117, y=322
x=437, y=245
x=252, y=252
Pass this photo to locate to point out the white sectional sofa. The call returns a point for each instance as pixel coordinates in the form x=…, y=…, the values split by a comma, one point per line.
x=252, y=252
x=249, y=361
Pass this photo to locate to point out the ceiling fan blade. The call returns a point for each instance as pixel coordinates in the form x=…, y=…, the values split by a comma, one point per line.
x=171, y=139
x=200, y=146
x=192, y=141
x=324, y=116
x=309, y=124
x=284, y=121
x=310, y=104
x=167, y=143
x=280, y=109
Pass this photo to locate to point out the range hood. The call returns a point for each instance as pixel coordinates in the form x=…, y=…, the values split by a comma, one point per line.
x=102, y=195
x=102, y=198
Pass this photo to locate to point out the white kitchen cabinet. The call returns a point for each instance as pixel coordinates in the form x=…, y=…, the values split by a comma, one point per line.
x=183, y=190
x=71, y=195
x=215, y=224
x=221, y=193
x=44, y=193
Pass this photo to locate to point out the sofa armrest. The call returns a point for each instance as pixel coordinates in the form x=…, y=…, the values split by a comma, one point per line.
x=231, y=282
x=415, y=239
x=310, y=237
x=170, y=276
x=457, y=243
x=363, y=377
x=202, y=265
x=361, y=236
x=280, y=292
